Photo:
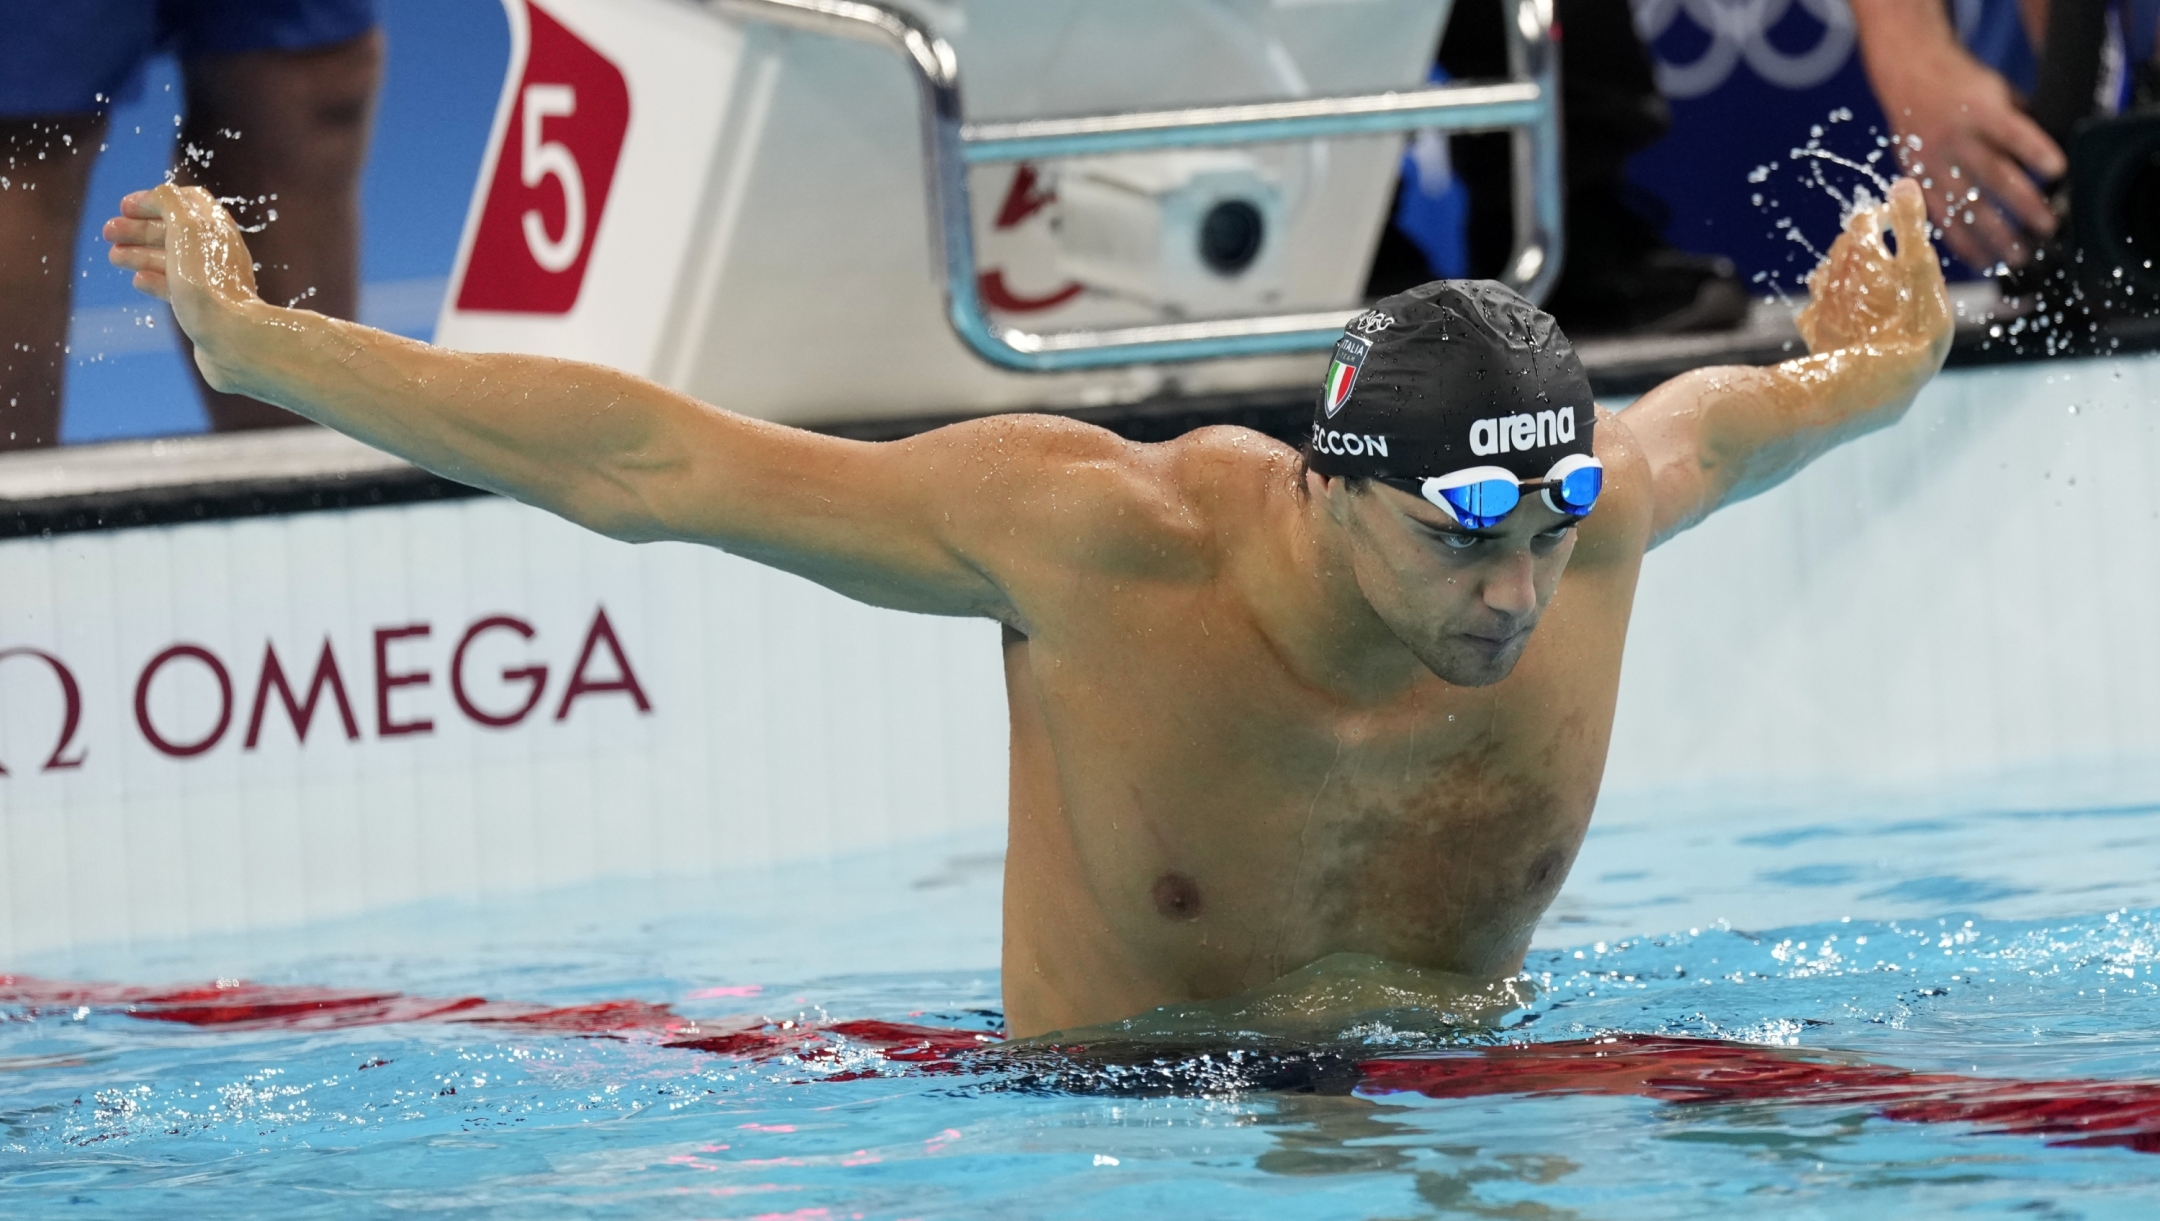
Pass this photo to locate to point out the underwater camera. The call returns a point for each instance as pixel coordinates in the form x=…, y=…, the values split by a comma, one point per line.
x=2104, y=264
x=2115, y=211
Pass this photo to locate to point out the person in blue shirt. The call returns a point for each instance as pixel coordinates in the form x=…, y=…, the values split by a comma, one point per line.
x=1954, y=83
x=280, y=95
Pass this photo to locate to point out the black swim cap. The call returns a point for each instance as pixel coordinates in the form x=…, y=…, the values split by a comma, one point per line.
x=1450, y=375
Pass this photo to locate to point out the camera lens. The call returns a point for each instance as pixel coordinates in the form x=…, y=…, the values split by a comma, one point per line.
x=2115, y=207
x=2137, y=214
x=1230, y=236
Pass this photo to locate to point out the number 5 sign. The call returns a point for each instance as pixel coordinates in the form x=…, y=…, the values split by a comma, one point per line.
x=553, y=168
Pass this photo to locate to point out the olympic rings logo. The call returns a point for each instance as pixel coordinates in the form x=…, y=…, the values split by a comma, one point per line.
x=1738, y=32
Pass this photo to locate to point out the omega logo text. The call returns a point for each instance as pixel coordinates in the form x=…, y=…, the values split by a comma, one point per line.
x=71, y=710
x=187, y=699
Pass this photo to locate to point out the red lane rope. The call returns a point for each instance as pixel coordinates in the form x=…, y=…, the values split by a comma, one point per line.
x=237, y=1004
x=1705, y=1071
x=1679, y=1071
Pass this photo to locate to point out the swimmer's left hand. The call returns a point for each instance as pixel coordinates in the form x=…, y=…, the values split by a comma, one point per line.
x=184, y=248
x=1864, y=296
x=1877, y=328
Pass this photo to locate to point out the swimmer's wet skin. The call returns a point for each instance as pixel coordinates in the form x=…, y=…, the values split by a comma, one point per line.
x=1266, y=707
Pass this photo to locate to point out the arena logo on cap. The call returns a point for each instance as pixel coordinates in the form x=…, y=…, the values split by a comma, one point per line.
x=1348, y=444
x=1522, y=431
x=1350, y=353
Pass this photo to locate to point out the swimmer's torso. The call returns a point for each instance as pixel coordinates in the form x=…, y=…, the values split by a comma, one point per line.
x=1191, y=820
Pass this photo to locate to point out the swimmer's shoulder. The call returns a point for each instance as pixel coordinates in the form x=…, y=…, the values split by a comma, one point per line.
x=1226, y=479
x=1226, y=469
x=1094, y=497
x=1183, y=504
x=1619, y=529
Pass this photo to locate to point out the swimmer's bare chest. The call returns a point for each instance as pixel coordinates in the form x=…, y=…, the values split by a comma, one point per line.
x=1189, y=822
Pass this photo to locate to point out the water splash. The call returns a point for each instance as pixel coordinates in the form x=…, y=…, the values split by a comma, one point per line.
x=1818, y=169
x=2059, y=304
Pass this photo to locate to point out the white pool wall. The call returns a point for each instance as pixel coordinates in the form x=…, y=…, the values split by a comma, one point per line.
x=784, y=722
x=1972, y=593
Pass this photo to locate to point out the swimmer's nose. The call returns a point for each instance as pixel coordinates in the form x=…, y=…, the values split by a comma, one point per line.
x=1509, y=589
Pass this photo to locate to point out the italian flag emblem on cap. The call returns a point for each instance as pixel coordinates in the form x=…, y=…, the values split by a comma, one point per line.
x=1350, y=353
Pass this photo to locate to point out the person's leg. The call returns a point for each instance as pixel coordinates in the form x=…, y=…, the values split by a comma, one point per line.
x=1474, y=47
x=1617, y=274
x=60, y=67
x=286, y=132
x=44, y=171
x=1620, y=275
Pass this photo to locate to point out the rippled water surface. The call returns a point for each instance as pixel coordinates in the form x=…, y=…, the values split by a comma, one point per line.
x=2000, y=934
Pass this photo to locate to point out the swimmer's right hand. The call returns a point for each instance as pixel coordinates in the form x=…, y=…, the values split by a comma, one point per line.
x=1892, y=307
x=184, y=248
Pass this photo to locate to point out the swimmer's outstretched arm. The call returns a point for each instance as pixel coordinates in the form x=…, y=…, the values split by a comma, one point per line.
x=1877, y=328
x=939, y=523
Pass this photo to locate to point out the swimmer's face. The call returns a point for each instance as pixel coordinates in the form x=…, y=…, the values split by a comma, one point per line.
x=1463, y=601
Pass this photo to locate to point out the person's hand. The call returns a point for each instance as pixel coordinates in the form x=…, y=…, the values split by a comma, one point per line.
x=185, y=249
x=1975, y=147
x=1863, y=296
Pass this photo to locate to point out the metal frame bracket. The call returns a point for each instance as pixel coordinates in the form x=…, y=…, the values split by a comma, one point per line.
x=1527, y=106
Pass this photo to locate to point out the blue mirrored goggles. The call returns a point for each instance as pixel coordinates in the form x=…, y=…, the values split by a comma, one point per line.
x=1482, y=496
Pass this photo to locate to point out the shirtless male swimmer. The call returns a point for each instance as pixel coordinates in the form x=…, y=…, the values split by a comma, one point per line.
x=1266, y=708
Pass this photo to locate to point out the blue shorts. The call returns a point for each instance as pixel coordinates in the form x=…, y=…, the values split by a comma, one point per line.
x=77, y=56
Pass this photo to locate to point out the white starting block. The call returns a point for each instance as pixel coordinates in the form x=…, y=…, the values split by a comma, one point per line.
x=782, y=207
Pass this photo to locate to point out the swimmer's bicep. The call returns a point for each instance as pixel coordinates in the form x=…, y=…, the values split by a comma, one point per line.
x=1709, y=438
x=947, y=522
x=1024, y=503
x=1665, y=428
x=859, y=518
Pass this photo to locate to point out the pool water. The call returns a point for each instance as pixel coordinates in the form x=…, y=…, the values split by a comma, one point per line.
x=1993, y=933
